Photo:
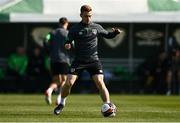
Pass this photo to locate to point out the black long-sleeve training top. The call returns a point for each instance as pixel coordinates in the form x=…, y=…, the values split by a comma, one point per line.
x=85, y=40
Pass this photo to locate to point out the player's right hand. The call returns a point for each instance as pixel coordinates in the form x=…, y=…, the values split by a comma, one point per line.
x=68, y=46
x=117, y=30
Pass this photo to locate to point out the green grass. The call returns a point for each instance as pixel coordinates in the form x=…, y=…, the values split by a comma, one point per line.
x=86, y=108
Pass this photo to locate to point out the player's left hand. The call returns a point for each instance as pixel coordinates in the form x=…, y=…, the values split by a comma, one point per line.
x=117, y=30
x=68, y=46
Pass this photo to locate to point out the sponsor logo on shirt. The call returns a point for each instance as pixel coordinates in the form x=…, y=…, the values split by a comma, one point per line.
x=94, y=31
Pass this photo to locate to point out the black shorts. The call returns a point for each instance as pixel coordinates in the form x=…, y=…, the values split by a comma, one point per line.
x=93, y=68
x=59, y=68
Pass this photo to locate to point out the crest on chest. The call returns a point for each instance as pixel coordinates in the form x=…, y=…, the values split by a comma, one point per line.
x=87, y=31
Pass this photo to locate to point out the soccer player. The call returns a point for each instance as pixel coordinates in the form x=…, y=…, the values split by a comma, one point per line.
x=84, y=35
x=59, y=58
x=171, y=69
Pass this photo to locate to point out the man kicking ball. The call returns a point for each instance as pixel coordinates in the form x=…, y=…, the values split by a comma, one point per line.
x=84, y=34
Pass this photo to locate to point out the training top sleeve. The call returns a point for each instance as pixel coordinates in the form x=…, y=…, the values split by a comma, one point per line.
x=48, y=37
x=104, y=33
x=70, y=37
x=46, y=42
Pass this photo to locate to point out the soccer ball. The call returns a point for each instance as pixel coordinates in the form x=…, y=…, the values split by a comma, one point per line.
x=108, y=110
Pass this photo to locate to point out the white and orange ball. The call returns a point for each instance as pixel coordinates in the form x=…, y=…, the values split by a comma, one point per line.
x=108, y=110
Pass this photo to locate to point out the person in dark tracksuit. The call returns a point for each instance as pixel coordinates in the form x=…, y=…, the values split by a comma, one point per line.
x=84, y=35
x=59, y=59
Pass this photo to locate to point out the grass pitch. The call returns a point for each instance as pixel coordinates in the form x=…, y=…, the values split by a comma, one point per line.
x=86, y=108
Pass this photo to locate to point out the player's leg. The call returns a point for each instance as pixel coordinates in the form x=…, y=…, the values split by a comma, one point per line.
x=65, y=92
x=67, y=87
x=71, y=78
x=96, y=73
x=53, y=86
x=178, y=80
x=99, y=81
x=168, y=79
x=63, y=71
x=55, y=68
x=63, y=78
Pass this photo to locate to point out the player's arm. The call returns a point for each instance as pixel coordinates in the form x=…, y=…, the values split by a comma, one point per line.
x=46, y=42
x=69, y=41
x=47, y=39
x=68, y=46
x=104, y=33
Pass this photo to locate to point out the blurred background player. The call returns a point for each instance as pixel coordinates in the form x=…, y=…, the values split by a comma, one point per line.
x=84, y=35
x=17, y=66
x=36, y=69
x=59, y=59
x=36, y=63
x=172, y=72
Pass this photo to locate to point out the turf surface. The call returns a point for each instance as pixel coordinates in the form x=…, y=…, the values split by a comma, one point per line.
x=86, y=108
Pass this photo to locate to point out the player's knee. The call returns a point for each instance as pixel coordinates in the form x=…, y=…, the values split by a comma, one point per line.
x=63, y=79
x=69, y=83
x=100, y=80
x=101, y=85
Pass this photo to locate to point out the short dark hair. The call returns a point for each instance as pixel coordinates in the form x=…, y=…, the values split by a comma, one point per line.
x=86, y=8
x=63, y=20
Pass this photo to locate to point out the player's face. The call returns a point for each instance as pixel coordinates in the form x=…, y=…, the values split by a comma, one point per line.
x=66, y=25
x=86, y=17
